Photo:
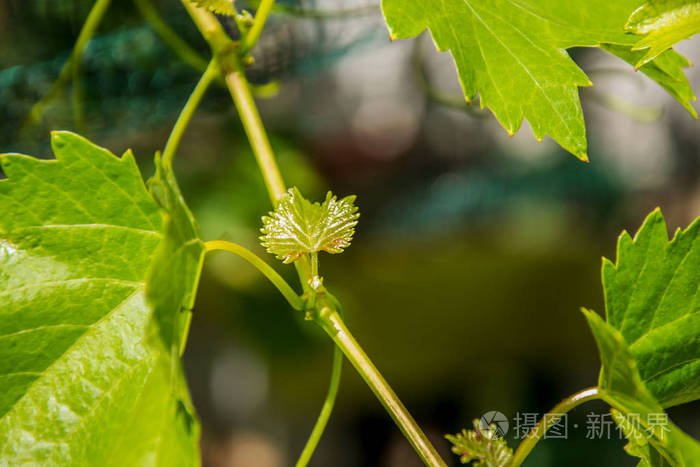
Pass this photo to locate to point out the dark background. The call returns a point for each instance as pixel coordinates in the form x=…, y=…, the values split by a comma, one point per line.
x=473, y=254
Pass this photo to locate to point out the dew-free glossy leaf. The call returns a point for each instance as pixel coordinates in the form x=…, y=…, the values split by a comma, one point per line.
x=513, y=53
x=85, y=377
x=663, y=24
x=298, y=226
x=652, y=297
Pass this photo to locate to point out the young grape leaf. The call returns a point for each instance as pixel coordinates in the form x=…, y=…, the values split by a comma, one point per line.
x=622, y=387
x=220, y=7
x=663, y=23
x=513, y=54
x=652, y=297
x=298, y=226
x=485, y=447
x=86, y=380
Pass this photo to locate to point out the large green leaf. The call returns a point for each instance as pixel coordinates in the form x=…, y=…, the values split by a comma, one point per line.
x=652, y=297
x=664, y=23
x=650, y=343
x=512, y=52
x=86, y=377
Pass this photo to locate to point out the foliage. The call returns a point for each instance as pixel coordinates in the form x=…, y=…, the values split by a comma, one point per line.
x=664, y=22
x=650, y=343
x=99, y=272
x=485, y=447
x=177, y=263
x=298, y=226
x=86, y=378
x=638, y=445
x=651, y=297
x=512, y=54
x=622, y=387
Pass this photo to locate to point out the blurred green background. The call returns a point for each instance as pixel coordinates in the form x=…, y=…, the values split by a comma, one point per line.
x=473, y=254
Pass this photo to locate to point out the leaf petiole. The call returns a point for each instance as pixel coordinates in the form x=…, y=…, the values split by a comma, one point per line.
x=314, y=264
x=285, y=289
x=549, y=420
x=185, y=116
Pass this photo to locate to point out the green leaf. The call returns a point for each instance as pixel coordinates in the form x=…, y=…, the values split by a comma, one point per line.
x=663, y=24
x=220, y=7
x=86, y=377
x=485, y=447
x=639, y=445
x=512, y=54
x=298, y=226
x=622, y=387
x=181, y=250
x=652, y=297
x=666, y=69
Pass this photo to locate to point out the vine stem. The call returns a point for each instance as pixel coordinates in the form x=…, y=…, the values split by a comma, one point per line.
x=285, y=289
x=255, y=30
x=332, y=323
x=550, y=419
x=243, y=98
x=88, y=30
x=326, y=410
x=227, y=54
x=187, y=111
x=225, y=51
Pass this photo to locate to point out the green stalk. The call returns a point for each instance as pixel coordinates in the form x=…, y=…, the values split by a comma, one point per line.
x=285, y=289
x=187, y=111
x=314, y=264
x=332, y=323
x=549, y=421
x=255, y=30
x=243, y=98
x=326, y=410
x=89, y=27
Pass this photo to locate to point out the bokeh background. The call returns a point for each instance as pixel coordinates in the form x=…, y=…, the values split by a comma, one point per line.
x=473, y=254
